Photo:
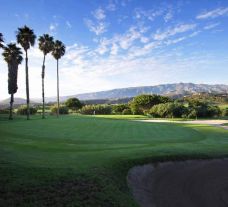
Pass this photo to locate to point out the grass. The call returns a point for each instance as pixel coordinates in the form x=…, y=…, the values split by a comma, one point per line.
x=129, y=117
x=83, y=160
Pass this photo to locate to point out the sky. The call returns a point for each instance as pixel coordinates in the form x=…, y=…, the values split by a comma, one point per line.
x=120, y=43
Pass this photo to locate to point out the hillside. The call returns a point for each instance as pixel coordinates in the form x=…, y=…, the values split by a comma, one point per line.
x=17, y=102
x=176, y=89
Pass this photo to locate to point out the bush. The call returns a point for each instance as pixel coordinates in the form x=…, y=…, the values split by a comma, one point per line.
x=22, y=110
x=4, y=111
x=224, y=112
x=192, y=114
x=142, y=104
x=203, y=109
x=62, y=109
x=119, y=108
x=127, y=112
x=73, y=103
x=96, y=109
x=168, y=110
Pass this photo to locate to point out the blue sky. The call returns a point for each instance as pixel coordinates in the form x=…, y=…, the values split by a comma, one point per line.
x=121, y=43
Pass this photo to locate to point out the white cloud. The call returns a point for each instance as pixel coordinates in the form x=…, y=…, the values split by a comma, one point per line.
x=211, y=26
x=173, y=31
x=122, y=41
x=111, y=6
x=98, y=28
x=103, y=46
x=168, y=16
x=144, y=39
x=114, y=49
x=213, y=13
x=149, y=14
x=53, y=27
x=195, y=33
x=68, y=24
x=99, y=14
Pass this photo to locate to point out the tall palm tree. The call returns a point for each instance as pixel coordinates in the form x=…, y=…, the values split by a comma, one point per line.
x=26, y=38
x=57, y=52
x=13, y=56
x=1, y=40
x=46, y=44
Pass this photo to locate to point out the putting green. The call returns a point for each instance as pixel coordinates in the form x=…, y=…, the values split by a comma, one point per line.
x=90, y=157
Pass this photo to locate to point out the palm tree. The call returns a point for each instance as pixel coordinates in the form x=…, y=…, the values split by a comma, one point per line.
x=57, y=52
x=13, y=56
x=1, y=40
x=26, y=38
x=46, y=44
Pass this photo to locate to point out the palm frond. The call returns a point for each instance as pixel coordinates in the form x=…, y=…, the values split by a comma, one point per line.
x=25, y=37
x=58, y=49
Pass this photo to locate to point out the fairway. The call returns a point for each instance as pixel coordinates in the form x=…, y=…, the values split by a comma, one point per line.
x=83, y=160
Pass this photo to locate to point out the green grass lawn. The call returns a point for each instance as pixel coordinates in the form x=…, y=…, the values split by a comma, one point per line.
x=83, y=160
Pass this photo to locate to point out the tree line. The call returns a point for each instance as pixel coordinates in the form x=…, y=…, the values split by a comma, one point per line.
x=13, y=56
x=150, y=105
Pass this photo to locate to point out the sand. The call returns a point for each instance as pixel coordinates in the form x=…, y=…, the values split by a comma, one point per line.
x=181, y=184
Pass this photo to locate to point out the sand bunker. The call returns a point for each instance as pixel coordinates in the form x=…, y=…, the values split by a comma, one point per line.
x=181, y=184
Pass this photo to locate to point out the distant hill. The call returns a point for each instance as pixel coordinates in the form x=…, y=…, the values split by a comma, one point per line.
x=173, y=90
x=17, y=102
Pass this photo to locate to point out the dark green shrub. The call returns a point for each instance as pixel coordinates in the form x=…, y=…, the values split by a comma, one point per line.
x=96, y=109
x=224, y=112
x=203, y=109
x=127, y=112
x=4, y=111
x=142, y=104
x=119, y=108
x=22, y=110
x=73, y=103
x=62, y=109
x=168, y=110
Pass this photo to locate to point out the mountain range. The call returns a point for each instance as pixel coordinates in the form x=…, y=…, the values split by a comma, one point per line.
x=173, y=90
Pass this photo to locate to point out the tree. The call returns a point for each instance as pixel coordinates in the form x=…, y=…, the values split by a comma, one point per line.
x=73, y=103
x=96, y=109
x=13, y=56
x=169, y=110
x=57, y=52
x=46, y=44
x=119, y=108
x=26, y=38
x=22, y=110
x=62, y=109
x=142, y=103
x=1, y=40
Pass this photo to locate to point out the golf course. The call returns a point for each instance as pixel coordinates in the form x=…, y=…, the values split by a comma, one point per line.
x=81, y=160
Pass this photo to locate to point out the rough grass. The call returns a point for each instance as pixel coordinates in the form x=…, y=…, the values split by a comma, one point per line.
x=83, y=160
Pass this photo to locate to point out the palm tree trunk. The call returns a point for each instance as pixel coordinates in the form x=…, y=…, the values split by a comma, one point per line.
x=42, y=75
x=11, y=107
x=27, y=84
x=58, y=88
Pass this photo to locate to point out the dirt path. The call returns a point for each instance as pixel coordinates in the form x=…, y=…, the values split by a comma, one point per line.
x=218, y=123
x=181, y=184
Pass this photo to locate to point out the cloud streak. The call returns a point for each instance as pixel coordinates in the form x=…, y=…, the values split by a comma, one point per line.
x=213, y=13
x=173, y=31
